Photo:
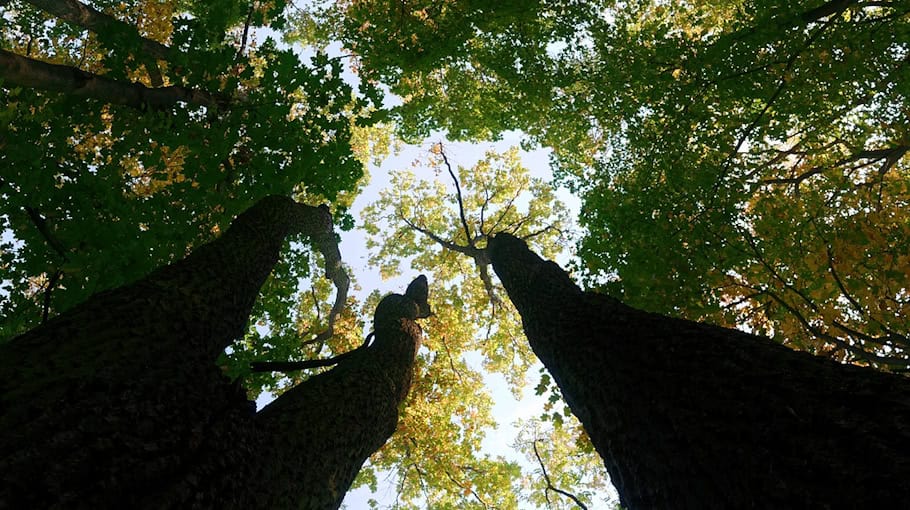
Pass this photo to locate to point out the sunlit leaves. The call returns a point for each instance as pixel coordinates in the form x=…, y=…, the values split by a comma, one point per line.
x=790, y=150
x=425, y=222
x=417, y=221
x=434, y=452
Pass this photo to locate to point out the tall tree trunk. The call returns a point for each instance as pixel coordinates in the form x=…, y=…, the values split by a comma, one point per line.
x=117, y=403
x=689, y=415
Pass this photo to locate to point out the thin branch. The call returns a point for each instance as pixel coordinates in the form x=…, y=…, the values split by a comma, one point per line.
x=51, y=284
x=41, y=224
x=550, y=486
x=470, y=489
x=509, y=205
x=787, y=285
x=461, y=213
x=748, y=297
x=246, y=32
x=891, y=156
x=539, y=232
x=858, y=352
x=782, y=83
x=890, y=339
x=487, y=197
x=840, y=283
x=445, y=346
x=291, y=366
x=853, y=302
x=327, y=244
x=479, y=256
x=464, y=250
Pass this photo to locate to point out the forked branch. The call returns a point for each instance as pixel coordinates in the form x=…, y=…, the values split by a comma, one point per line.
x=550, y=486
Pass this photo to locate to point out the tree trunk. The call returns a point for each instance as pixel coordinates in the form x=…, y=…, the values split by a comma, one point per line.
x=117, y=403
x=689, y=415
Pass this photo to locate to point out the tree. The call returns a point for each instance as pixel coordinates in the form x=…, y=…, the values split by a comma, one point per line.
x=742, y=162
x=436, y=218
x=118, y=401
x=689, y=415
x=110, y=171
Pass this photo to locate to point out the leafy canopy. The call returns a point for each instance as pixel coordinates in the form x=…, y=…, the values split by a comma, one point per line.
x=436, y=218
x=95, y=194
x=742, y=162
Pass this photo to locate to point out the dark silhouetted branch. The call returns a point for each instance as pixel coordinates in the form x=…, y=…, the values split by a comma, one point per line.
x=550, y=486
x=25, y=72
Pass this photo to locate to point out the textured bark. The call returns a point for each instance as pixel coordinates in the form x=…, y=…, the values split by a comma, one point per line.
x=25, y=72
x=118, y=403
x=689, y=415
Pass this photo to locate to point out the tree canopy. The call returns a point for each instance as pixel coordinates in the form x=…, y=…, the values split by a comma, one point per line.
x=134, y=132
x=98, y=190
x=740, y=162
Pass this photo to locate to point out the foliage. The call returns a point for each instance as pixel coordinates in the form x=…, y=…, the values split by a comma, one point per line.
x=743, y=162
x=96, y=194
x=442, y=230
x=436, y=219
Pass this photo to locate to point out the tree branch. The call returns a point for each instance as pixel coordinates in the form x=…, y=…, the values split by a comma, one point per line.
x=25, y=72
x=461, y=213
x=470, y=489
x=41, y=224
x=891, y=155
x=550, y=486
x=787, y=285
x=327, y=244
x=291, y=366
x=449, y=245
x=825, y=10
x=479, y=256
x=445, y=346
x=47, y=294
x=246, y=33
x=747, y=132
x=495, y=228
x=483, y=269
x=859, y=352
